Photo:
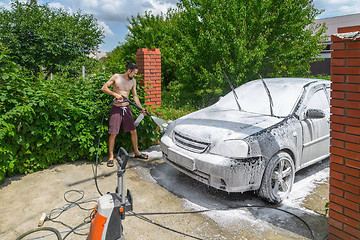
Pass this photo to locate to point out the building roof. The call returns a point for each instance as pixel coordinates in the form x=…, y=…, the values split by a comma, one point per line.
x=333, y=23
x=98, y=55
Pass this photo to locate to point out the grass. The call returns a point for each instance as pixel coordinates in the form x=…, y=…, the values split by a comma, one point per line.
x=320, y=76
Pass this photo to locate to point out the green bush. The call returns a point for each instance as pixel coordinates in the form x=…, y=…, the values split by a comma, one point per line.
x=45, y=122
x=171, y=110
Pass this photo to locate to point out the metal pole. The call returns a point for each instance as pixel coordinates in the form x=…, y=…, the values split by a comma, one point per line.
x=119, y=190
x=123, y=200
x=83, y=71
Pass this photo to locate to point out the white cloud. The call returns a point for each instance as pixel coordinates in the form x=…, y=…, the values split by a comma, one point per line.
x=7, y=4
x=106, y=28
x=338, y=1
x=161, y=6
x=90, y=3
x=4, y=5
x=350, y=8
x=337, y=7
x=115, y=11
x=56, y=5
x=118, y=11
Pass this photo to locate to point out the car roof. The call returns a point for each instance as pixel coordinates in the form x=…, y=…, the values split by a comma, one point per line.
x=294, y=81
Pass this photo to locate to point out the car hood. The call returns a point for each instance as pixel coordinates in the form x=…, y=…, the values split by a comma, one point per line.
x=214, y=123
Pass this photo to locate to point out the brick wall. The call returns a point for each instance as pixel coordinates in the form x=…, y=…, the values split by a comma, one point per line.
x=344, y=204
x=149, y=63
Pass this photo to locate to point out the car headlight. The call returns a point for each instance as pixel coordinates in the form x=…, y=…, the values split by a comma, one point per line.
x=170, y=128
x=231, y=148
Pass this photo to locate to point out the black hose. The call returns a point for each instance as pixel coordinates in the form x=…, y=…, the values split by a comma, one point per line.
x=73, y=229
x=41, y=229
x=307, y=225
x=97, y=152
x=139, y=215
x=162, y=226
x=138, y=107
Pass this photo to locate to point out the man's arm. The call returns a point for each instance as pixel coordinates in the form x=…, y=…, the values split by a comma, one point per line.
x=106, y=89
x=135, y=97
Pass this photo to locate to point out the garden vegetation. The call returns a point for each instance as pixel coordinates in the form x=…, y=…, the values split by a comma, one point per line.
x=48, y=120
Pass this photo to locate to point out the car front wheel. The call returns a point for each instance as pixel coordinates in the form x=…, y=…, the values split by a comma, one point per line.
x=278, y=178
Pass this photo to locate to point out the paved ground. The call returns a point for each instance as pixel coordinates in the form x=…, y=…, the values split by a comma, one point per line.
x=156, y=187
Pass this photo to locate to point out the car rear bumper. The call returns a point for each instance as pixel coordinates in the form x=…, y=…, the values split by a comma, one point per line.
x=230, y=175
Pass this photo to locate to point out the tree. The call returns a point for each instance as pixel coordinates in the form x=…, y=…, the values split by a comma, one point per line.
x=115, y=60
x=147, y=31
x=41, y=36
x=202, y=38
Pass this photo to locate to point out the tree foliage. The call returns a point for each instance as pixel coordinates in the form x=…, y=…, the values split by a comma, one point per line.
x=115, y=60
x=202, y=39
x=42, y=36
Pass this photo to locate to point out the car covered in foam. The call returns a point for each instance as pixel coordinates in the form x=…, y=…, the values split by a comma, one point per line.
x=276, y=127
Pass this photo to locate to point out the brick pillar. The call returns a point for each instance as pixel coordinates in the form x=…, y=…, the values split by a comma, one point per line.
x=149, y=63
x=344, y=204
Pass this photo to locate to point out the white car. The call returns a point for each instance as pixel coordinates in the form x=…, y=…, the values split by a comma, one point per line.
x=278, y=126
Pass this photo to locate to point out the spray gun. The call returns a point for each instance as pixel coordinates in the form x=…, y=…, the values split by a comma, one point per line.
x=125, y=99
x=160, y=122
x=141, y=116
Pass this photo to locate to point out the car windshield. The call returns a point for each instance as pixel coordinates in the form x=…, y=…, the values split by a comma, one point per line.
x=253, y=97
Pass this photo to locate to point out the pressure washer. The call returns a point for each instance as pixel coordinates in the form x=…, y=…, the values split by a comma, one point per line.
x=111, y=208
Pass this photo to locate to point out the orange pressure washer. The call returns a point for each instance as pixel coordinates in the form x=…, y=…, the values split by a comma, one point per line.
x=110, y=208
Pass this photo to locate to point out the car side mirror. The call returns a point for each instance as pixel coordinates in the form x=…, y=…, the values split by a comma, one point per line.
x=315, y=113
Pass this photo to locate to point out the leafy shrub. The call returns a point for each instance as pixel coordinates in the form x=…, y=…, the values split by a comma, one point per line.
x=171, y=113
x=45, y=122
x=171, y=110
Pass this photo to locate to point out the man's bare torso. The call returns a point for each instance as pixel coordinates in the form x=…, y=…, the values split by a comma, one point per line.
x=123, y=87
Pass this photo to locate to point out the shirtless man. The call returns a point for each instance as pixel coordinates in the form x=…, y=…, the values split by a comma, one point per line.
x=120, y=113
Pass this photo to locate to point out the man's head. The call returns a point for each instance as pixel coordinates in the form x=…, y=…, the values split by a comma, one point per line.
x=131, y=69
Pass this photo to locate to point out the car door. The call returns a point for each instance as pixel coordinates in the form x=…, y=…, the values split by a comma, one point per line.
x=316, y=131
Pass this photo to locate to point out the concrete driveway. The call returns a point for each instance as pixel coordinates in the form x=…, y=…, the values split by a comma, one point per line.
x=158, y=188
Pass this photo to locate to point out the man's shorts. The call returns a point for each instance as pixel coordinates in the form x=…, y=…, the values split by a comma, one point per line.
x=121, y=116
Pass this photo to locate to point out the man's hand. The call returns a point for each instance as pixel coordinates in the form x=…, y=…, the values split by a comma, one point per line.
x=118, y=97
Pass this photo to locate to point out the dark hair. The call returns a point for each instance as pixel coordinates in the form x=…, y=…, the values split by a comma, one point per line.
x=131, y=66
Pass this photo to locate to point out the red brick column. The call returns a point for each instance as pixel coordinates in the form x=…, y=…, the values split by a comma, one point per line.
x=344, y=212
x=149, y=63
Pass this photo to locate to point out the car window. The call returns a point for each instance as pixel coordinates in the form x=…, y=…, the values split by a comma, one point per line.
x=253, y=98
x=319, y=101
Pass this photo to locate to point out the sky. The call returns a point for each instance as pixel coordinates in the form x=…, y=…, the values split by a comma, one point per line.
x=112, y=15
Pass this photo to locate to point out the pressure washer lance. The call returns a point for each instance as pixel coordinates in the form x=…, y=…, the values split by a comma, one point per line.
x=110, y=208
x=160, y=122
